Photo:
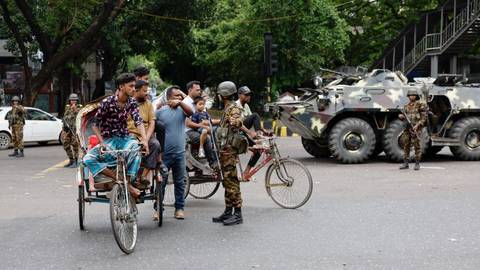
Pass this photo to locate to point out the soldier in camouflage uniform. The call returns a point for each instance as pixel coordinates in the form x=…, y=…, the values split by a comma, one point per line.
x=231, y=119
x=415, y=114
x=69, y=138
x=16, y=123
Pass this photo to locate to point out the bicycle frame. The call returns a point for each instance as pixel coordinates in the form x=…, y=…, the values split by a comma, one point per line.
x=269, y=154
x=121, y=165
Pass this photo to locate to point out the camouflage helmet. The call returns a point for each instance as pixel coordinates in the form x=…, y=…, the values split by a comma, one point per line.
x=226, y=89
x=73, y=96
x=15, y=98
x=413, y=92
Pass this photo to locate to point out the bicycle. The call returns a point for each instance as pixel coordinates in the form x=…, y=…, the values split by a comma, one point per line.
x=287, y=181
x=292, y=177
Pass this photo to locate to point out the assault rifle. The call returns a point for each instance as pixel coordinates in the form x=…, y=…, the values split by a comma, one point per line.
x=215, y=150
x=409, y=123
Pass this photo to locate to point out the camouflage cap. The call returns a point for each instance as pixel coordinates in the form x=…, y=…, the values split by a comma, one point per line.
x=15, y=98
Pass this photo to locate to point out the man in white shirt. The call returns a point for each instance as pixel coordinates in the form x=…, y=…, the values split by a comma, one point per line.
x=192, y=128
x=249, y=120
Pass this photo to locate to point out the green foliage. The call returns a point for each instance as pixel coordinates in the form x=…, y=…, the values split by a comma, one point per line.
x=232, y=47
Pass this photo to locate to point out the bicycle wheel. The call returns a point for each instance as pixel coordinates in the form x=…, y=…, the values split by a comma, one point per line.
x=159, y=203
x=169, y=194
x=289, y=183
x=81, y=206
x=204, y=190
x=123, y=219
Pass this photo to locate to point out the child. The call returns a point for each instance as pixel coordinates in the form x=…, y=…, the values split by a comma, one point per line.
x=201, y=116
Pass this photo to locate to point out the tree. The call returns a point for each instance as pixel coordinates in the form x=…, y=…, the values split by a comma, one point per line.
x=309, y=34
x=65, y=32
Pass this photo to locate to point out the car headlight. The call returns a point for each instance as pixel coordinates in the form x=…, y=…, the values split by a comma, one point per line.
x=317, y=81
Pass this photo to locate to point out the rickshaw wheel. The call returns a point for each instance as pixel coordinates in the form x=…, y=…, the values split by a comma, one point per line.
x=81, y=206
x=159, y=203
x=204, y=190
x=123, y=219
x=169, y=195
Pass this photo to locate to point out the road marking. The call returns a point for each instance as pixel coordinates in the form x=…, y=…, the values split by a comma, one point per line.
x=51, y=169
x=433, y=168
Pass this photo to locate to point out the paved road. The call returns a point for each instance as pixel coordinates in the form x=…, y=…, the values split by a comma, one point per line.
x=369, y=216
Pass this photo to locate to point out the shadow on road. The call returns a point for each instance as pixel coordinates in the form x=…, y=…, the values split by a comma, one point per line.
x=35, y=145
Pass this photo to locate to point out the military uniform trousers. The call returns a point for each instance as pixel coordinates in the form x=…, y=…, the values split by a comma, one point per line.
x=233, y=196
x=70, y=144
x=408, y=140
x=17, y=136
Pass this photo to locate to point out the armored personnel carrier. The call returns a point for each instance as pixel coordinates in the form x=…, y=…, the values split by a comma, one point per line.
x=354, y=118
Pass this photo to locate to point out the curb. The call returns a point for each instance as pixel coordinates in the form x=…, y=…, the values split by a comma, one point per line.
x=278, y=128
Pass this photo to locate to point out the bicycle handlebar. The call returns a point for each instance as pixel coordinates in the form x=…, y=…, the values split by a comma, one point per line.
x=107, y=150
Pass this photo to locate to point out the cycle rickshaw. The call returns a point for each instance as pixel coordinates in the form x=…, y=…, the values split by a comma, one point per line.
x=123, y=210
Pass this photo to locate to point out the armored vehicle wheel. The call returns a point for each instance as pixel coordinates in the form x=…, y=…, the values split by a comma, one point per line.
x=352, y=140
x=393, y=145
x=315, y=149
x=467, y=131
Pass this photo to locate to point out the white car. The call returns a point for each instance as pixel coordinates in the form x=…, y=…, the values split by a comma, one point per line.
x=40, y=127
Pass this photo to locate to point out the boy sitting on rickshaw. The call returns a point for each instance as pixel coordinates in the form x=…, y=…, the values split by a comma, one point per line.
x=110, y=127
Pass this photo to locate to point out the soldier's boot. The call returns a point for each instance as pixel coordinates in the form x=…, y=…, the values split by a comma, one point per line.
x=417, y=165
x=69, y=164
x=14, y=154
x=20, y=154
x=225, y=215
x=404, y=165
x=235, y=218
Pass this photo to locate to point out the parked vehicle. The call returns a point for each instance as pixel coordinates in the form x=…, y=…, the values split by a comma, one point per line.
x=355, y=117
x=40, y=127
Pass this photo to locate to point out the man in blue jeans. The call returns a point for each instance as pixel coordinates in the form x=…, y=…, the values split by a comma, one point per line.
x=173, y=117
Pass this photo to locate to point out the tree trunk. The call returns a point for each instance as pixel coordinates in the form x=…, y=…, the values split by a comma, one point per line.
x=64, y=86
x=30, y=95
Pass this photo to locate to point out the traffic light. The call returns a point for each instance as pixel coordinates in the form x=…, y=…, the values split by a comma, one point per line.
x=270, y=55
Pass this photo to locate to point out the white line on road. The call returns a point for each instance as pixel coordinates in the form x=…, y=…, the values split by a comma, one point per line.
x=433, y=168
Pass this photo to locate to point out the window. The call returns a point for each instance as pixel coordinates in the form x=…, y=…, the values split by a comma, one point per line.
x=37, y=115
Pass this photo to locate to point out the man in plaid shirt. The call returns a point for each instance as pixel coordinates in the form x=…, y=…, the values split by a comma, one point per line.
x=112, y=132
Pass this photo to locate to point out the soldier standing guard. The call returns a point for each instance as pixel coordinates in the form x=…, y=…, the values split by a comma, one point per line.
x=232, y=120
x=16, y=122
x=69, y=138
x=415, y=114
